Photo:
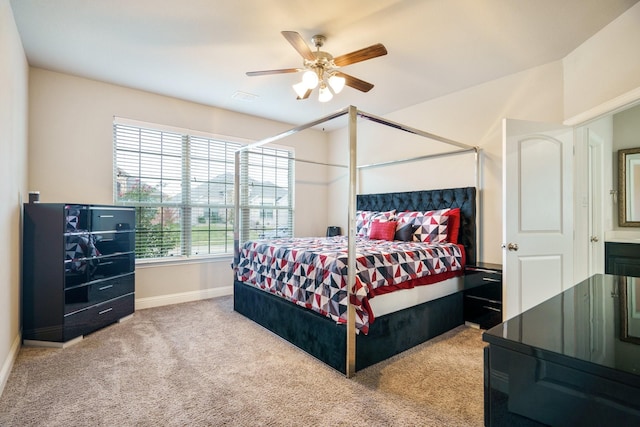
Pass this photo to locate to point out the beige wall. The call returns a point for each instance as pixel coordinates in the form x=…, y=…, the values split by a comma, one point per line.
x=605, y=66
x=626, y=134
x=626, y=129
x=70, y=160
x=13, y=182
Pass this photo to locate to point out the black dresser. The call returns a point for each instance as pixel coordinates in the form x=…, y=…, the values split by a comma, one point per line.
x=78, y=270
x=622, y=258
x=573, y=360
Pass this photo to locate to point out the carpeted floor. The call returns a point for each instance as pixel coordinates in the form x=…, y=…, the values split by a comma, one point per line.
x=202, y=364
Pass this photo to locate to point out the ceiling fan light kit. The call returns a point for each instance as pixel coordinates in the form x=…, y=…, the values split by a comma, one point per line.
x=336, y=83
x=324, y=94
x=301, y=89
x=321, y=68
x=310, y=79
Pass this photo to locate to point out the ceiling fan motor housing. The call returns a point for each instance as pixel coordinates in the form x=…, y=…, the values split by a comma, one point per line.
x=318, y=40
x=323, y=60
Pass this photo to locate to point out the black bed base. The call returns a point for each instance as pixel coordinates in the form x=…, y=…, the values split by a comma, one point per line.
x=324, y=339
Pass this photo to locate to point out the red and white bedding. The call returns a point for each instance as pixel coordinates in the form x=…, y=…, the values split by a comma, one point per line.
x=312, y=272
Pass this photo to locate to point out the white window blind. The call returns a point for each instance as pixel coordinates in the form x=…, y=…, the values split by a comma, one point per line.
x=266, y=183
x=182, y=188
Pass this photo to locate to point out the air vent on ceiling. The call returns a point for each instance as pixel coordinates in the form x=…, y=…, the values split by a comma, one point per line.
x=244, y=96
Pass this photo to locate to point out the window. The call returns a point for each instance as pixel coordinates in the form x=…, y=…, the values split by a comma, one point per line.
x=265, y=193
x=182, y=187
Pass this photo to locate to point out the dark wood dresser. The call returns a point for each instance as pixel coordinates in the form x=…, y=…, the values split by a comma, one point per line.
x=78, y=270
x=573, y=360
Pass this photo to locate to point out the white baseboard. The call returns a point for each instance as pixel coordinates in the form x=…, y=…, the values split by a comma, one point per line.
x=142, y=303
x=8, y=363
x=52, y=344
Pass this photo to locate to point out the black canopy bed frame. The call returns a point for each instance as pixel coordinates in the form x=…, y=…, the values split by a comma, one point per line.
x=337, y=345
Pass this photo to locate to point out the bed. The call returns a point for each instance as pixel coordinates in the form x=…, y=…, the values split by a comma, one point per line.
x=435, y=308
x=389, y=333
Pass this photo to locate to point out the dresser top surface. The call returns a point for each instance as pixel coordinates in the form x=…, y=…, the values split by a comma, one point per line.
x=596, y=321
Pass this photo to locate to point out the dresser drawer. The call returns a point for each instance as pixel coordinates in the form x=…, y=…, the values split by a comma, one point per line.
x=112, y=265
x=114, y=242
x=112, y=219
x=474, y=278
x=562, y=394
x=97, y=266
x=81, y=297
x=481, y=311
x=85, y=270
x=490, y=291
x=98, y=316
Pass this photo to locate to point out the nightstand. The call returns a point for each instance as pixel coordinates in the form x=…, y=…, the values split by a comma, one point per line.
x=483, y=295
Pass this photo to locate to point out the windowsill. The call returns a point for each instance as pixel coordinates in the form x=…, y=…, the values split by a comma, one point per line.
x=161, y=262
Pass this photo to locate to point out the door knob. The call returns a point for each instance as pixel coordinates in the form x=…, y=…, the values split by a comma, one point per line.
x=512, y=246
x=594, y=239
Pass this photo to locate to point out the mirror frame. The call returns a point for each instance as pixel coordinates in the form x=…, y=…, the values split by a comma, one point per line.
x=623, y=187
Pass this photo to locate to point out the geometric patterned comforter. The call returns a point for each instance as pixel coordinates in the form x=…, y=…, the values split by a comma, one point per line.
x=312, y=272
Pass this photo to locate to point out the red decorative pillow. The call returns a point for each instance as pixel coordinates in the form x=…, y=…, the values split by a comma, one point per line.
x=382, y=230
x=453, y=228
x=364, y=219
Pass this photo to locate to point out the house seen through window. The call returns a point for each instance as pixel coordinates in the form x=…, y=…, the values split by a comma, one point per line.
x=182, y=186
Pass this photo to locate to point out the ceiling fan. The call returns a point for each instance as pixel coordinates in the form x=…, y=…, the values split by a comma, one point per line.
x=321, y=68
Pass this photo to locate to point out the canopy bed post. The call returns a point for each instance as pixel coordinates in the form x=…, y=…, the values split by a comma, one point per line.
x=478, y=204
x=236, y=211
x=351, y=251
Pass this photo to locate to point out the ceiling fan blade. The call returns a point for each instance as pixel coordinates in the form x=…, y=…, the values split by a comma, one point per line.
x=299, y=44
x=306, y=94
x=267, y=72
x=361, y=55
x=355, y=82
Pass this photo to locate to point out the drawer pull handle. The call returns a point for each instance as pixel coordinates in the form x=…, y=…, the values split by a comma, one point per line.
x=493, y=301
x=106, y=216
x=105, y=287
x=105, y=311
x=484, y=270
x=490, y=279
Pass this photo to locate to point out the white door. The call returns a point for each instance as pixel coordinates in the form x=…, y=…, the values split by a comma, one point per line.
x=538, y=213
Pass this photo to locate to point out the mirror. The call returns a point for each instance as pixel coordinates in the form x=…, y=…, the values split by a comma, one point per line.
x=629, y=187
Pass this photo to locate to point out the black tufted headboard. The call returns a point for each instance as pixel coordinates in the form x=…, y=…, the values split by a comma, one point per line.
x=428, y=200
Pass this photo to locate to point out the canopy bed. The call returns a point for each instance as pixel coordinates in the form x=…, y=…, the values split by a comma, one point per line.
x=320, y=296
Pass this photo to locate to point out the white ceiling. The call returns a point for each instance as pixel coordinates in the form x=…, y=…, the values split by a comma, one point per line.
x=199, y=50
